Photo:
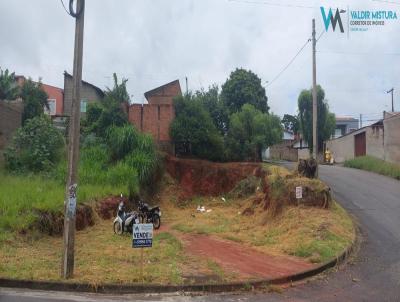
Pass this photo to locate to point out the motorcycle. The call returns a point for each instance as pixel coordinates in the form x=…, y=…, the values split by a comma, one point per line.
x=124, y=221
x=149, y=214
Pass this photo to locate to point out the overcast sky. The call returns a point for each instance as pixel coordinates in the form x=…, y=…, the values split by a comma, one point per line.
x=152, y=42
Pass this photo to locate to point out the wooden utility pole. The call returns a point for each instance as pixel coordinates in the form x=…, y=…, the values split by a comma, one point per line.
x=67, y=267
x=187, y=86
x=392, y=91
x=314, y=94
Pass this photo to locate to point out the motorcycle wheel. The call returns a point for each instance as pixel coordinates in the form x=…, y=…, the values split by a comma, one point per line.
x=156, y=221
x=118, y=228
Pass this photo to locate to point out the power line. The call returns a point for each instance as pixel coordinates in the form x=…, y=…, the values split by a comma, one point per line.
x=273, y=4
x=321, y=34
x=359, y=53
x=386, y=1
x=71, y=11
x=290, y=63
x=62, y=2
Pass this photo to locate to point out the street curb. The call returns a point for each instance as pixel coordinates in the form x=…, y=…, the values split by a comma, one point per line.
x=152, y=288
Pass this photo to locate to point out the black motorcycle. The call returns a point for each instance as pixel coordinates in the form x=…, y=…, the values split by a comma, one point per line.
x=124, y=221
x=149, y=214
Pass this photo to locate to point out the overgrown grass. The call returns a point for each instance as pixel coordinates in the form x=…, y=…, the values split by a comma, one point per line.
x=307, y=232
x=373, y=164
x=20, y=195
x=100, y=257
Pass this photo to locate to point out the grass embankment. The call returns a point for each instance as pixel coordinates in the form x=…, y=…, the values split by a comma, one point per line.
x=21, y=195
x=312, y=233
x=373, y=164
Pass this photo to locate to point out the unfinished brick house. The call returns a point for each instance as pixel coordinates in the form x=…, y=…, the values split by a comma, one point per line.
x=156, y=117
x=89, y=94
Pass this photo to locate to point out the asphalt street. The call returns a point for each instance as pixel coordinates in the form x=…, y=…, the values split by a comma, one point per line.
x=371, y=275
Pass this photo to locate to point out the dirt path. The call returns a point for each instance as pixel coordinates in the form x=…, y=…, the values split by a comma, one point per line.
x=234, y=257
x=247, y=262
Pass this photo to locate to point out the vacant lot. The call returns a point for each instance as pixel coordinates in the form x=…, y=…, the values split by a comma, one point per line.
x=304, y=236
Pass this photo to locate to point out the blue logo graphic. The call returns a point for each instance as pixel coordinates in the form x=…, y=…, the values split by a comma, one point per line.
x=333, y=20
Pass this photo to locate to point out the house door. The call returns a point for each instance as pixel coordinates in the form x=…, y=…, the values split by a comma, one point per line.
x=360, y=145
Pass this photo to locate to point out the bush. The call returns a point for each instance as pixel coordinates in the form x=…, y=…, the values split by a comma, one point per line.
x=37, y=146
x=135, y=149
x=194, y=125
x=95, y=169
x=250, y=132
x=122, y=141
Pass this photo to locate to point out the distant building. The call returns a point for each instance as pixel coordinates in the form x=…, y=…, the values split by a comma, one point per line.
x=391, y=142
x=345, y=125
x=283, y=150
x=55, y=96
x=368, y=140
x=89, y=94
x=156, y=117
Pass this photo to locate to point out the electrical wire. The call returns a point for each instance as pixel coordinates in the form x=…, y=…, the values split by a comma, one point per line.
x=359, y=53
x=386, y=1
x=288, y=65
x=71, y=11
x=62, y=2
x=273, y=4
x=78, y=10
x=321, y=34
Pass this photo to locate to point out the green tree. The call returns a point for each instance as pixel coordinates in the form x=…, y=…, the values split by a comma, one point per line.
x=8, y=88
x=109, y=112
x=291, y=123
x=194, y=125
x=325, y=119
x=118, y=93
x=250, y=132
x=37, y=146
x=34, y=99
x=244, y=87
x=211, y=101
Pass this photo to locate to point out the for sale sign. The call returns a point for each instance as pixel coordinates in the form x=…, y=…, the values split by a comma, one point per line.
x=299, y=192
x=142, y=235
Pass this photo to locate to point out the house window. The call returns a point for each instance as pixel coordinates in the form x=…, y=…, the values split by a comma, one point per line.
x=52, y=107
x=83, y=106
x=338, y=132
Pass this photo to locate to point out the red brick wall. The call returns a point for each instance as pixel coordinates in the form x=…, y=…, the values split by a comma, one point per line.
x=164, y=94
x=150, y=121
x=167, y=115
x=156, y=117
x=134, y=116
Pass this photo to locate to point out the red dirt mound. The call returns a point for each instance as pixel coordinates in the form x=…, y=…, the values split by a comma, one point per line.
x=52, y=223
x=108, y=207
x=200, y=177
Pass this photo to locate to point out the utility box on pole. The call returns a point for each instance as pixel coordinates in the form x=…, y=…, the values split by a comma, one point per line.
x=67, y=266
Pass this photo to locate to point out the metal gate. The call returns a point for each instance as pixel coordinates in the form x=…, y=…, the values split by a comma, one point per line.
x=360, y=145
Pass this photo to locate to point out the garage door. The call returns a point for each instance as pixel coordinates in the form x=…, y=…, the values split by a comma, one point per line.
x=360, y=145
